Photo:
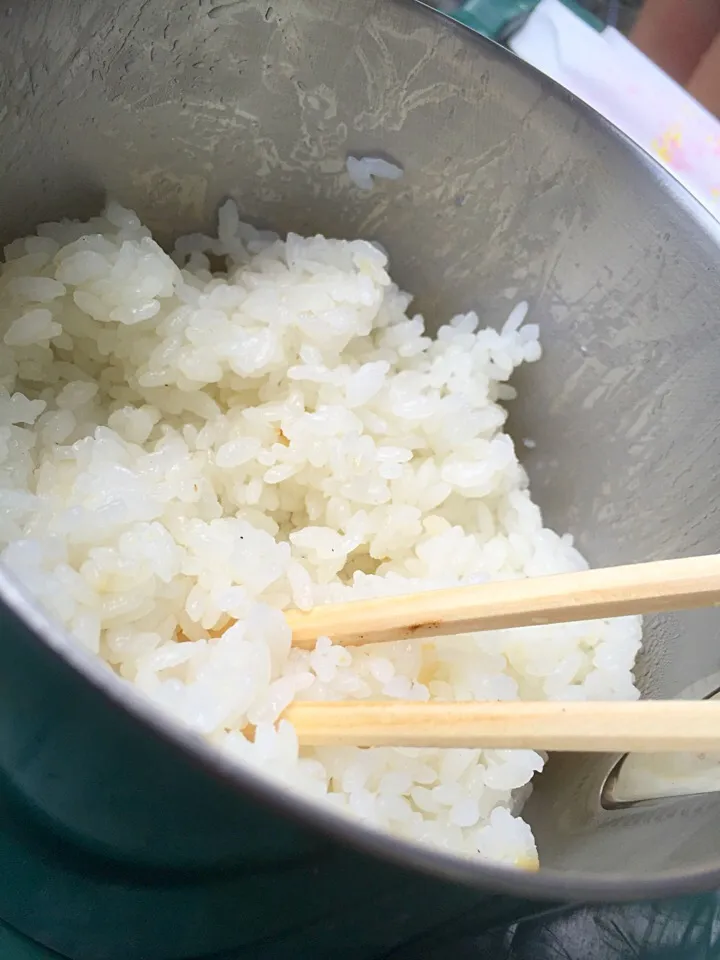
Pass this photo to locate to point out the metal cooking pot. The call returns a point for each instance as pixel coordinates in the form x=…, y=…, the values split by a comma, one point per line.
x=125, y=838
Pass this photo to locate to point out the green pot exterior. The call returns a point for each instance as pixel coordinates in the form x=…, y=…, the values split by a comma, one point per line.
x=85, y=908
x=13, y=946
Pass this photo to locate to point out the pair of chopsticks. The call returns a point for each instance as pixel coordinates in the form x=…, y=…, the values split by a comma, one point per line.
x=647, y=726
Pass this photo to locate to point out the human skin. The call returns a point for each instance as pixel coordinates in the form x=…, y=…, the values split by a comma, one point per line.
x=683, y=38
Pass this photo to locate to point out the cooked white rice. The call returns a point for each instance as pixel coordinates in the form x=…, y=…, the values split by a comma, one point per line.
x=179, y=447
x=363, y=170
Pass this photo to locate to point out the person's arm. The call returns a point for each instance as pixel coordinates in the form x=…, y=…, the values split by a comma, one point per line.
x=681, y=37
x=676, y=33
x=704, y=84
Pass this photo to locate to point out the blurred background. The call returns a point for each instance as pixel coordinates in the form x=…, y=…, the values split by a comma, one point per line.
x=653, y=72
x=616, y=13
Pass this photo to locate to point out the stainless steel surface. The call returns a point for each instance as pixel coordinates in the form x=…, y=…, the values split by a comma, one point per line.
x=510, y=190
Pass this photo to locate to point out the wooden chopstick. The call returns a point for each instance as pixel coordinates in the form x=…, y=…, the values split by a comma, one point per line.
x=655, y=587
x=643, y=726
